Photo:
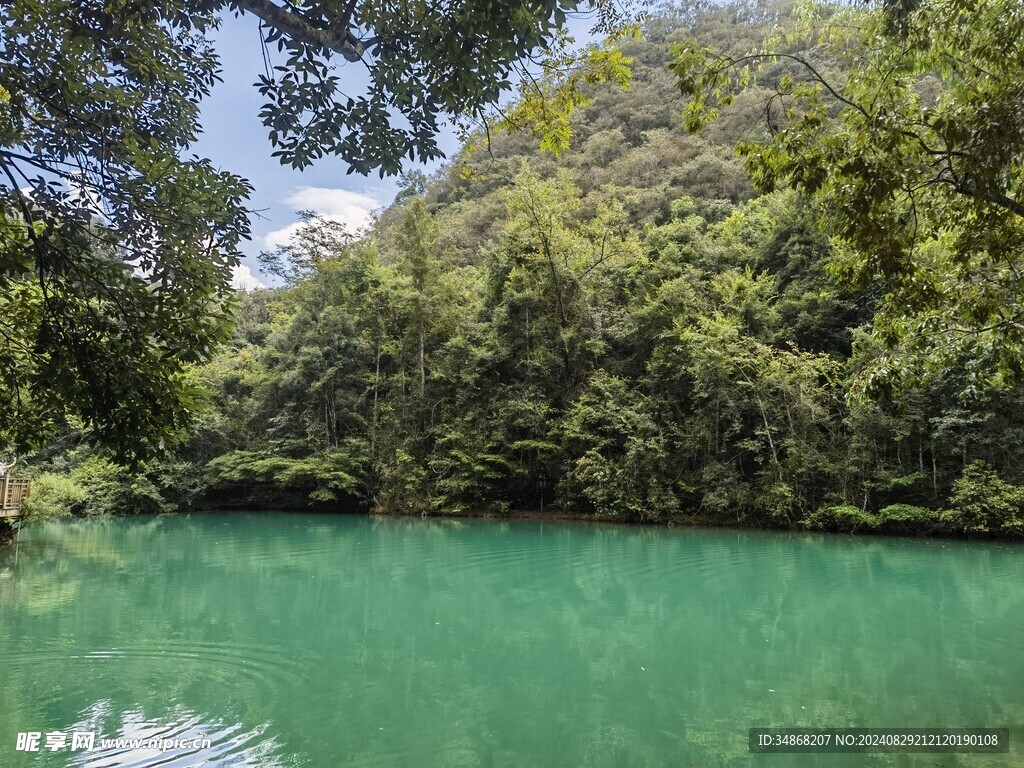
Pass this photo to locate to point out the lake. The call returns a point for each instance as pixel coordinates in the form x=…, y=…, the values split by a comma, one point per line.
x=309, y=640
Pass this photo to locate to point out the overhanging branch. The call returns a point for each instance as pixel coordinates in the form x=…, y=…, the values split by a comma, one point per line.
x=337, y=37
x=1006, y=202
x=992, y=197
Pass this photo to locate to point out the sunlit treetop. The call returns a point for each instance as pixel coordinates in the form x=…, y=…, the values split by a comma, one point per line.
x=905, y=120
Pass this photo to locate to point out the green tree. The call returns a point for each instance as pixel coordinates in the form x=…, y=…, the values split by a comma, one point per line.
x=904, y=121
x=617, y=457
x=761, y=413
x=610, y=331
x=309, y=412
x=117, y=247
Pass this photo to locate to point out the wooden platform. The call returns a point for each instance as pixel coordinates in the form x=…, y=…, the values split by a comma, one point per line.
x=13, y=491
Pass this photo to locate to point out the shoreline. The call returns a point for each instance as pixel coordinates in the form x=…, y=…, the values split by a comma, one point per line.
x=8, y=532
x=695, y=521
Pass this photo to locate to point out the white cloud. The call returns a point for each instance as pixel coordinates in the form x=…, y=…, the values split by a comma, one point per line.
x=243, y=279
x=352, y=209
x=281, y=236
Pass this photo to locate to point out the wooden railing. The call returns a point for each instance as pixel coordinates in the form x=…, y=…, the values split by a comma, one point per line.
x=13, y=491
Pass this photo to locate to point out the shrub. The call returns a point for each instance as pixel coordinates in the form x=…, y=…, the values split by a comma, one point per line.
x=112, y=489
x=325, y=477
x=906, y=518
x=53, y=496
x=982, y=502
x=843, y=517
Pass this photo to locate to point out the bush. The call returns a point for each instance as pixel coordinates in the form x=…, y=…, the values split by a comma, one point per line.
x=325, y=477
x=982, y=502
x=53, y=496
x=907, y=518
x=895, y=518
x=180, y=483
x=843, y=517
x=112, y=489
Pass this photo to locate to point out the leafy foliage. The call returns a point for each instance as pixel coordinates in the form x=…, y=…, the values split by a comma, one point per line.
x=117, y=249
x=622, y=330
x=117, y=246
x=425, y=62
x=904, y=122
x=325, y=477
x=982, y=502
x=53, y=495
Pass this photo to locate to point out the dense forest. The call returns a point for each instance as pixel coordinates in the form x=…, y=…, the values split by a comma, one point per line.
x=627, y=330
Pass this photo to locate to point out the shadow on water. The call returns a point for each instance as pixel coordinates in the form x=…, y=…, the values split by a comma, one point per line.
x=305, y=640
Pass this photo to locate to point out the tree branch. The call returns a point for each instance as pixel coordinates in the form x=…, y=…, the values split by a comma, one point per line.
x=337, y=37
x=998, y=199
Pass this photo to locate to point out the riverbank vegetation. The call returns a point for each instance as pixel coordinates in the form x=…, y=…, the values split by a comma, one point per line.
x=630, y=330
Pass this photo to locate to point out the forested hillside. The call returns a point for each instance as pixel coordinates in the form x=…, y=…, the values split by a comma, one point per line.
x=624, y=331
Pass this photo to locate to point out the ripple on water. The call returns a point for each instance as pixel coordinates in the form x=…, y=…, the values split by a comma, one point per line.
x=263, y=666
x=208, y=743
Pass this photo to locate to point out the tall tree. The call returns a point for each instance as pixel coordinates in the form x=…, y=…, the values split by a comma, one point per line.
x=905, y=120
x=117, y=247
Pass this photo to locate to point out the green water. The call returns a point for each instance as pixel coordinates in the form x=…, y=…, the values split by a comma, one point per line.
x=300, y=640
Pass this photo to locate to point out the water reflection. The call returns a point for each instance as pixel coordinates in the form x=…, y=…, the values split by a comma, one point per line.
x=319, y=641
x=131, y=740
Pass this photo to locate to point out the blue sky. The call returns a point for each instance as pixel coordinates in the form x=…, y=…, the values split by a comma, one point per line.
x=236, y=141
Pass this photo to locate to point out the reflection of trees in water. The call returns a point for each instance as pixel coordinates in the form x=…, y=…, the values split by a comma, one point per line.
x=470, y=642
